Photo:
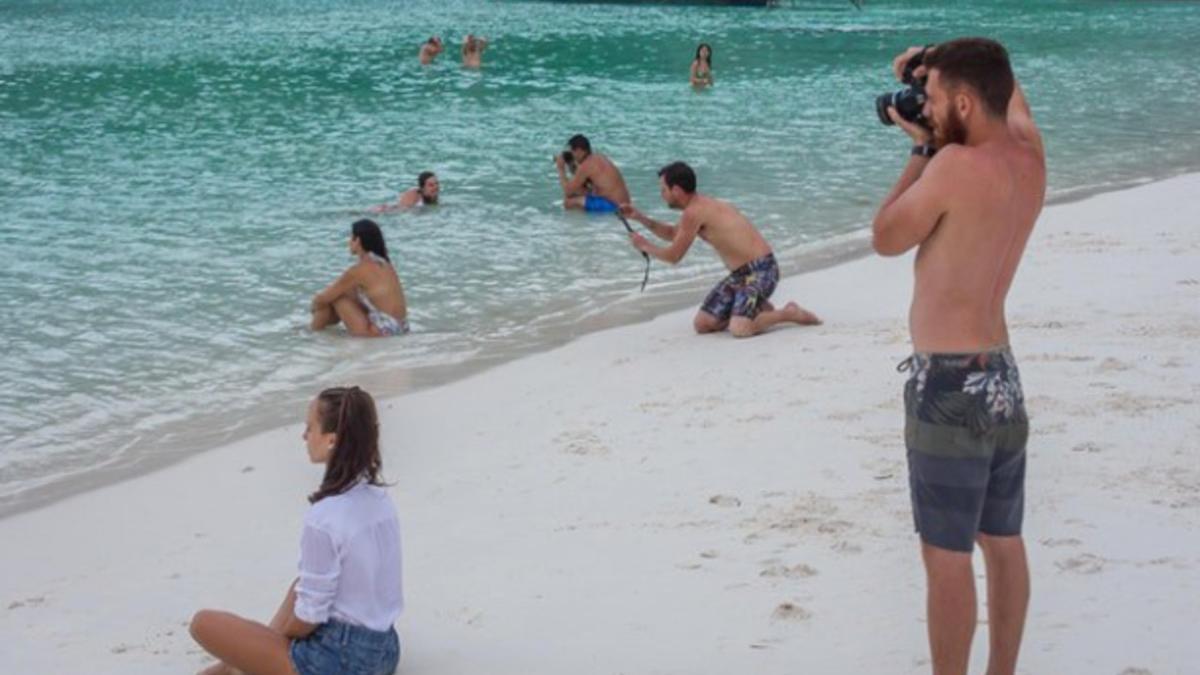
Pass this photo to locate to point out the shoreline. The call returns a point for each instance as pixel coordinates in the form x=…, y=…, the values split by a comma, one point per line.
x=708, y=504
x=179, y=441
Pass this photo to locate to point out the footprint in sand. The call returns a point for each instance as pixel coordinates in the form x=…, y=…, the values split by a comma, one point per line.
x=1110, y=364
x=1055, y=543
x=1049, y=429
x=35, y=601
x=1082, y=564
x=834, y=526
x=790, y=611
x=847, y=547
x=710, y=554
x=765, y=643
x=468, y=616
x=726, y=501
x=1136, y=671
x=799, y=571
x=704, y=403
x=654, y=406
x=880, y=439
x=580, y=443
x=1086, y=446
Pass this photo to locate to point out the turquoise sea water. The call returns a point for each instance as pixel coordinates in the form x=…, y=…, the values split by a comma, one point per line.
x=177, y=179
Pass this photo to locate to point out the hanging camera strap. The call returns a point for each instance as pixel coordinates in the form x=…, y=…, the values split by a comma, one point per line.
x=645, y=255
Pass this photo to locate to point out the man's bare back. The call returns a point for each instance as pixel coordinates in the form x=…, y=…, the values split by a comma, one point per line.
x=965, y=268
x=971, y=210
x=606, y=179
x=596, y=183
x=729, y=232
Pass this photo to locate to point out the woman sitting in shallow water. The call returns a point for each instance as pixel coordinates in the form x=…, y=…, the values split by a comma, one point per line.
x=339, y=614
x=702, y=66
x=368, y=297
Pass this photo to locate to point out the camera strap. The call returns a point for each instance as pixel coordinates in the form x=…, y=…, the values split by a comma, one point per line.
x=645, y=255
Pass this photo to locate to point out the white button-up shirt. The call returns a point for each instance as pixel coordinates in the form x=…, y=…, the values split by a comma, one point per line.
x=350, y=560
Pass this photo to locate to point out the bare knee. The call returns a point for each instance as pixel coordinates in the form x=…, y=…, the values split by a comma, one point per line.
x=1001, y=547
x=742, y=328
x=707, y=323
x=943, y=562
x=201, y=625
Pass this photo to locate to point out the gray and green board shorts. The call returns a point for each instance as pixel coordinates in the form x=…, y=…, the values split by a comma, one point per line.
x=965, y=429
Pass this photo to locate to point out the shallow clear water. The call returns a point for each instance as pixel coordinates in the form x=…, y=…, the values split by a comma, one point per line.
x=176, y=181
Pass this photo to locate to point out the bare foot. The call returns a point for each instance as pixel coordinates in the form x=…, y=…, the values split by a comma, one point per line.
x=217, y=668
x=797, y=314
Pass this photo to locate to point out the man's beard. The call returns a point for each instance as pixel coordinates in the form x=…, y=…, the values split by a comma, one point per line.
x=428, y=200
x=952, y=130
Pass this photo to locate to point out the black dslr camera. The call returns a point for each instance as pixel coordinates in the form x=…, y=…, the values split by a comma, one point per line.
x=910, y=101
x=569, y=160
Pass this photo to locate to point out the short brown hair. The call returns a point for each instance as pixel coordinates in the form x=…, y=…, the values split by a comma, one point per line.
x=679, y=173
x=979, y=63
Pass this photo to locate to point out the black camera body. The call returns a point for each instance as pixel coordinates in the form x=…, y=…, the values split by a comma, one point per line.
x=910, y=101
x=569, y=160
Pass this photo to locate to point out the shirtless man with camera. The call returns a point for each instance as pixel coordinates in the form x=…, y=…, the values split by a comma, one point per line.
x=741, y=301
x=968, y=198
x=595, y=184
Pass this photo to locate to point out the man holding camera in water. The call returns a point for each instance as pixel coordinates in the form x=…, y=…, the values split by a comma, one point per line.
x=596, y=184
x=968, y=198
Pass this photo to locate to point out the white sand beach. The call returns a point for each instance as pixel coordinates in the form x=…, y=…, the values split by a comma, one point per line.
x=644, y=500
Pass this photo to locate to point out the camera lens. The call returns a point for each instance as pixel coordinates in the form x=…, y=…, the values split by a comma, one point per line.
x=909, y=104
x=882, y=103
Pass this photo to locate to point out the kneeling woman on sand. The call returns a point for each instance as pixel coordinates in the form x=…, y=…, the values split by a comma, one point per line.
x=368, y=297
x=338, y=616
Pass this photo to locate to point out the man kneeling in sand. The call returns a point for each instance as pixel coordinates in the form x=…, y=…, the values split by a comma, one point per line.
x=741, y=301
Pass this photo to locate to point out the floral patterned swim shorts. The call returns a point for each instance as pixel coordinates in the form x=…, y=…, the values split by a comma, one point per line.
x=965, y=430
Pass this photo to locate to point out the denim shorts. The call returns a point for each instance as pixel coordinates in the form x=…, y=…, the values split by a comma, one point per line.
x=337, y=648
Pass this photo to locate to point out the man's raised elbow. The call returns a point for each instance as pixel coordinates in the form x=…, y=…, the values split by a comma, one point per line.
x=880, y=241
x=883, y=247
